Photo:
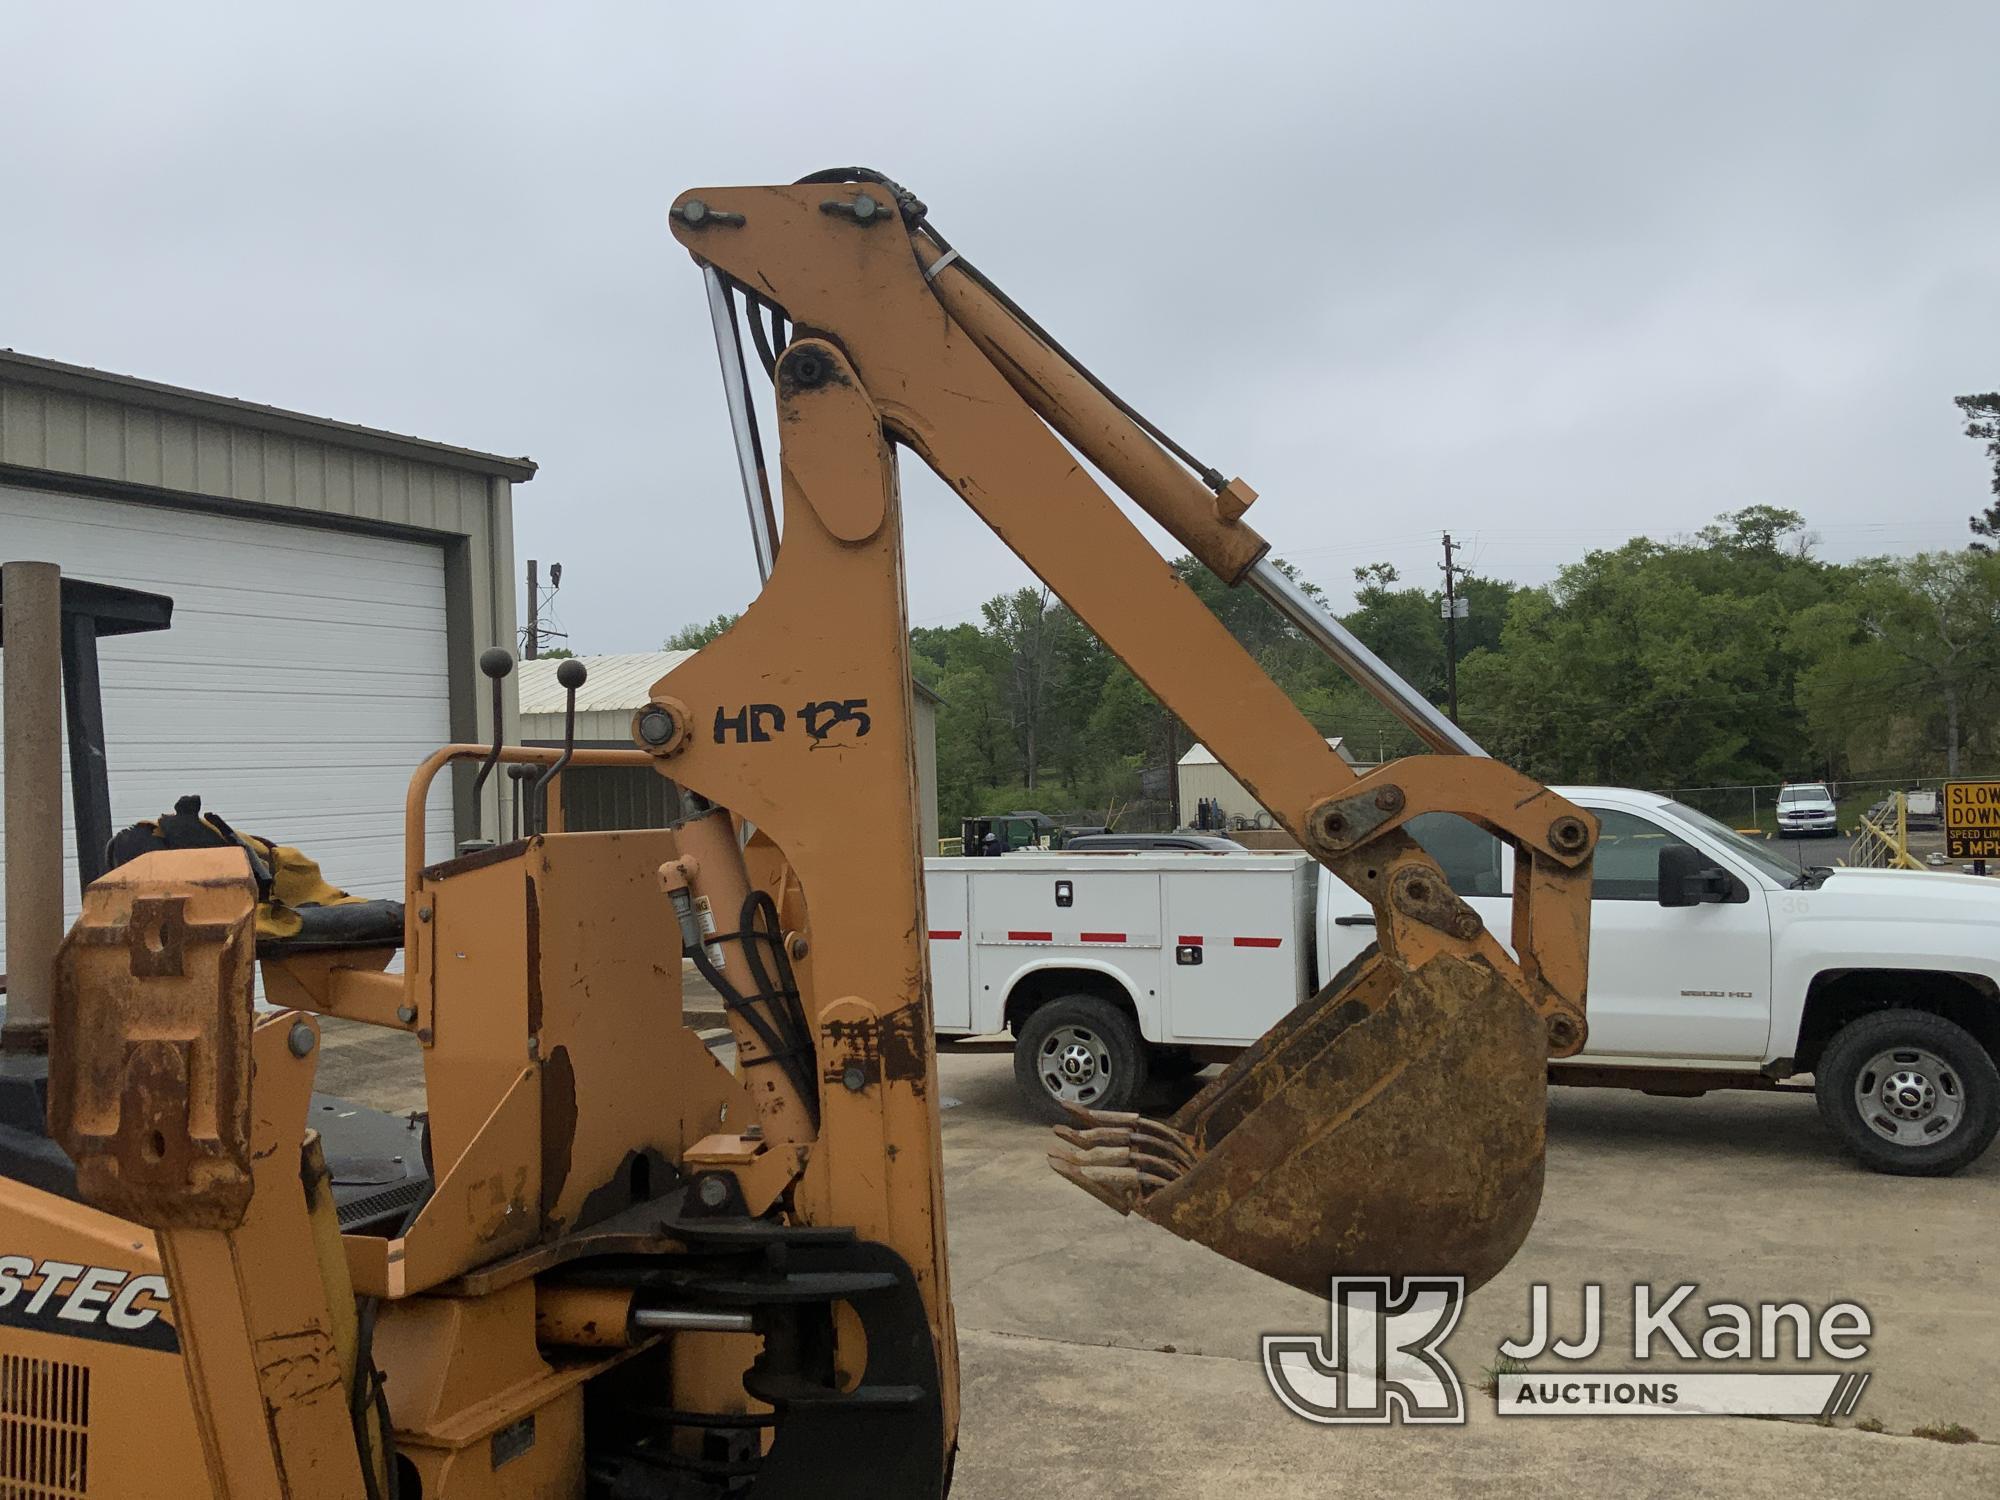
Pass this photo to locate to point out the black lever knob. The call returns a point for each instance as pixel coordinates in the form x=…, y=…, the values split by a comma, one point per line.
x=496, y=662
x=571, y=674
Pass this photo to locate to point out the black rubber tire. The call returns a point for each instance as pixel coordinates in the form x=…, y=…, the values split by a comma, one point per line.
x=1861, y=1040
x=1123, y=1049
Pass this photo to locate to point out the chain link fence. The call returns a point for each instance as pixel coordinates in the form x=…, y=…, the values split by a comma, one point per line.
x=1754, y=806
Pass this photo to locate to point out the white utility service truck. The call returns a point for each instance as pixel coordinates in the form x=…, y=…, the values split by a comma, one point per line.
x=1715, y=963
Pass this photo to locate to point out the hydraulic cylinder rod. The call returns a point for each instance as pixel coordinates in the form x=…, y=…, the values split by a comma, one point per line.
x=1363, y=665
x=1207, y=524
x=742, y=423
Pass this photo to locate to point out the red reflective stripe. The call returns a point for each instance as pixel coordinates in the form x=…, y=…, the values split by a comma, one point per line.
x=1190, y=942
x=938, y=936
x=1102, y=937
x=1030, y=937
x=1258, y=942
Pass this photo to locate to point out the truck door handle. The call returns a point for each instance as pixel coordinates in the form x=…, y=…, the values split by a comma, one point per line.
x=1364, y=919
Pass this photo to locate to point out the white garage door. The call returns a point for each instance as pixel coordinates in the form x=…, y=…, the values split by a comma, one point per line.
x=303, y=679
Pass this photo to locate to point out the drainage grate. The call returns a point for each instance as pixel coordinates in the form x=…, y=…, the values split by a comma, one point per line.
x=44, y=1429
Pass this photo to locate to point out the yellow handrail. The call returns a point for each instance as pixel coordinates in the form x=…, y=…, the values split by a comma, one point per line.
x=437, y=760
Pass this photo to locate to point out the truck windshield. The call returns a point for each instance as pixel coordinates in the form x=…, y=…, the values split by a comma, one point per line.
x=1760, y=855
x=1804, y=794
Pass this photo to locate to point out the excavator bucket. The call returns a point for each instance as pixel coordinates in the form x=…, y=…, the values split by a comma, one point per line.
x=1393, y=1125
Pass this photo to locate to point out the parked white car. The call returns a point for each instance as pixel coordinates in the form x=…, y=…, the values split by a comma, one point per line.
x=1807, y=807
x=1715, y=963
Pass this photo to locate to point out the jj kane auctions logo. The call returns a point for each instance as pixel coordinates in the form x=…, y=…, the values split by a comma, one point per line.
x=1382, y=1357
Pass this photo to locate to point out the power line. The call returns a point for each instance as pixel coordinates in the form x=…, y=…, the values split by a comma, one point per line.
x=1451, y=572
x=542, y=627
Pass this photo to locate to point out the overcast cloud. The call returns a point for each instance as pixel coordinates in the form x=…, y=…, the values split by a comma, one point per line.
x=1547, y=274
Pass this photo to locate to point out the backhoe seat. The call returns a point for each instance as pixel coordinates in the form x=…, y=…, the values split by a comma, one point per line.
x=352, y=924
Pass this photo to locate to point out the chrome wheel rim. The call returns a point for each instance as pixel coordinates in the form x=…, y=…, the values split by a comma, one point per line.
x=1074, y=1065
x=1910, y=1096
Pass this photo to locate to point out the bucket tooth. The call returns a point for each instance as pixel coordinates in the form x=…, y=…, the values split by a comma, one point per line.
x=1393, y=1126
x=1170, y=1145
x=1118, y=1187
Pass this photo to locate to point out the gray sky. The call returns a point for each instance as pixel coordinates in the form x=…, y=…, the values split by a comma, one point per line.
x=1546, y=274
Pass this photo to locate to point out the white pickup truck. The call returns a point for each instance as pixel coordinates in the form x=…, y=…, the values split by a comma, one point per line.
x=1714, y=963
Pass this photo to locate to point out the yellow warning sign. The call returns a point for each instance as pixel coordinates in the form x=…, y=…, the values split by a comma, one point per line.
x=1972, y=820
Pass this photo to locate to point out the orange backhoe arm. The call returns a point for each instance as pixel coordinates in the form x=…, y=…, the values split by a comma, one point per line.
x=1435, y=1048
x=766, y=1243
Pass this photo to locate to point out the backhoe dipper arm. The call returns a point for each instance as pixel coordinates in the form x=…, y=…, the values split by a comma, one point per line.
x=966, y=384
x=1427, y=1059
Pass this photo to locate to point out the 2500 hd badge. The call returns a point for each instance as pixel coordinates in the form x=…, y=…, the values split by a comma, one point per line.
x=88, y=1302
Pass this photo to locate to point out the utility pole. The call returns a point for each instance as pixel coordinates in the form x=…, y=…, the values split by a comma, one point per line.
x=531, y=642
x=1452, y=611
x=539, y=607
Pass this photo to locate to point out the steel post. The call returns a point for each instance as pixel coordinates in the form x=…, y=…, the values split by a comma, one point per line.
x=31, y=629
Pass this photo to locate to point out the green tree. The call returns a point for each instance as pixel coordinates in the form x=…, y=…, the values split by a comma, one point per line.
x=1045, y=657
x=1907, y=663
x=694, y=637
x=1982, y=425
x=1656, y=664
x=965, y=667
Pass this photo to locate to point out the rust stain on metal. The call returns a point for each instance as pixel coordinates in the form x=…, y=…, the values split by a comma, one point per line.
x=534, y=976
x=465, y=863
x=148, y=982
x=495, y=1206
x=892, y=1048
x=558, y=1121
x=1399, y=1122
x=620, y=1190
x=294, y=1366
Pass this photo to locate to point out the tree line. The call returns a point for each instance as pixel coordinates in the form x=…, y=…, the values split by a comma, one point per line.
x=1732, y=657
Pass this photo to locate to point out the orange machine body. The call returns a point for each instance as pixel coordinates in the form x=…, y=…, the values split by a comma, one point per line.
x=639, y=1272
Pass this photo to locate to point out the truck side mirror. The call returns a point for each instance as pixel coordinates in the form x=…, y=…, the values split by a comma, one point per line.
x=1687, y=880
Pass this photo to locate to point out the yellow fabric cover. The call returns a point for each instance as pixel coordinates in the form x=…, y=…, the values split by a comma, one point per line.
x=295, y=881
x=295, y=877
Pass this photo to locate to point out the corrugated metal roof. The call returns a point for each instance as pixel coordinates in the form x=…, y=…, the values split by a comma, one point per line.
x=1200, y=755
x=615, y=682
x=32, y=370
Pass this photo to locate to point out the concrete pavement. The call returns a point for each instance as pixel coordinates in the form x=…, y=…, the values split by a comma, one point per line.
x=1063, y=1308
x=1103, y=1357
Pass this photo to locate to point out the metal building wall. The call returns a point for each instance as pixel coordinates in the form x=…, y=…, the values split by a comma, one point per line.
x=1213, y=780
x=63, y=427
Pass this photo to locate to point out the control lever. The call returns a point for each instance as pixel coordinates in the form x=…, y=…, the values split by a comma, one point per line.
x=521, y=775
x=496, y=662
x=570, y=676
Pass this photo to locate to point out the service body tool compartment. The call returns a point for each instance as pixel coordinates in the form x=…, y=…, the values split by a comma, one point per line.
x=951, y=946
x=1241, y=954
x=1208, y=947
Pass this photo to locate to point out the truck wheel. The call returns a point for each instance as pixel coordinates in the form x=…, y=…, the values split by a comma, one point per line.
x=1909, y=1092
x=1079, y=1049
